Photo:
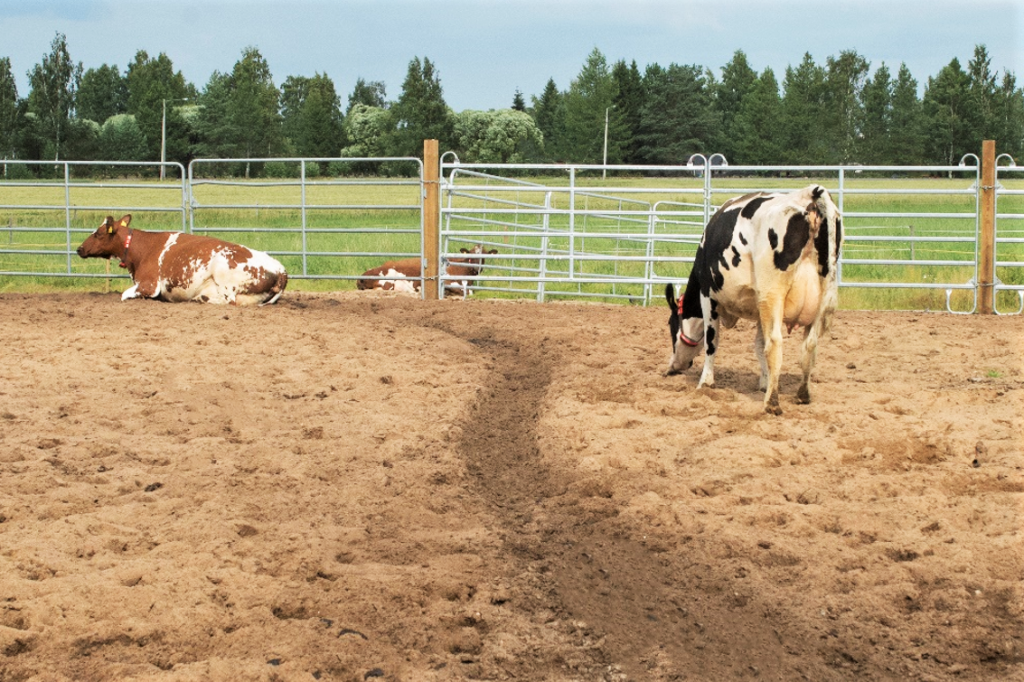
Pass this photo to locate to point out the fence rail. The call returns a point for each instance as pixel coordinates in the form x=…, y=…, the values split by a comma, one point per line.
x=617, y=233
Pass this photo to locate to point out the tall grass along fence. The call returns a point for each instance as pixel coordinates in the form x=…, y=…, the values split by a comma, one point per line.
x=916, y=237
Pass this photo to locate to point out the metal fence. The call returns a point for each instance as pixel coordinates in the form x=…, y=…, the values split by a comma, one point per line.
x=321, y=226
x=616, y=233
x=44, y=220
x=575, y=233
x=1009, y=239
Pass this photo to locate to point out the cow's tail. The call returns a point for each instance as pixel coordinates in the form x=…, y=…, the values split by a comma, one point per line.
x=833, y=223
x=278, y=289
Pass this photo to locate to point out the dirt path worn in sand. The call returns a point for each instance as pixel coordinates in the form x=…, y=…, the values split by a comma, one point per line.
x=360, y=486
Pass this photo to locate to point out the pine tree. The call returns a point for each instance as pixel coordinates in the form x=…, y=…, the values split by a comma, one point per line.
x=629, y=103
x=420, y=112
x=758, y=123
x=321, y=132
x=8, y=111
x=906, y=139
x=294, y=91
x=253, y=108
x=549, y=114
x=677, y=119
x=981, y=88
x=738, y=79
x=589, y=103
x=946, y=102
x=874, y=145
x=803, y=115
x=518, y=103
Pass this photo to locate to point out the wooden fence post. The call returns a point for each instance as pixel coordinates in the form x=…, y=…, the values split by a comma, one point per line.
x=431, y=219
x=987, y=237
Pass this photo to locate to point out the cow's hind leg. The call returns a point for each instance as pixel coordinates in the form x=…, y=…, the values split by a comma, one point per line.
x=770, y=311
x=762, y=382
x=807, y=358
x=809, y=354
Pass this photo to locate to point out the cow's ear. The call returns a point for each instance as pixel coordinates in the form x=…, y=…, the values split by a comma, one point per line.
x=125, y=220
x=108, y=223
x=463, y=250
x=493, y=251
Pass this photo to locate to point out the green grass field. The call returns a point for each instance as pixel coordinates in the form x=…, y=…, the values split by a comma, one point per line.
x=349, y=226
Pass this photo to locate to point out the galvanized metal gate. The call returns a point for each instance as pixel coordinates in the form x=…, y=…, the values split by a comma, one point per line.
x=571, y=232
x=566, y=231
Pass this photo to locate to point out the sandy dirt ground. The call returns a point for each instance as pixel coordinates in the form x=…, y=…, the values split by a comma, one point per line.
x=360, y=486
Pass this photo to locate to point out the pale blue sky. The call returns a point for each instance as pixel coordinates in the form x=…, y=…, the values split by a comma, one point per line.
x=485, y=49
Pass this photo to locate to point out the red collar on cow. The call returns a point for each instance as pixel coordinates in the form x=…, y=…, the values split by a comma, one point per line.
x=689, y=342
x=127, y=243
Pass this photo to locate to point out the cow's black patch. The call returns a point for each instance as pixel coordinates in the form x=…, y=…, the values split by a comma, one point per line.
x=839, y=236
x=691, y=297
x=709, y=339
x=717, y=280
x=674, y=321
x=821, y=246
x=714, y=309
x=743, y=240
x=751, y=208
x=717, y=238
x=773, y=239
x=798, y=231
x=736, y=258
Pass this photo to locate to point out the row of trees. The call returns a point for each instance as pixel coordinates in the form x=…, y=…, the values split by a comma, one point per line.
x=836, y=113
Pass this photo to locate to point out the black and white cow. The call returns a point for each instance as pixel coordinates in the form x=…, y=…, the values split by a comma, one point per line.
x=766, y=257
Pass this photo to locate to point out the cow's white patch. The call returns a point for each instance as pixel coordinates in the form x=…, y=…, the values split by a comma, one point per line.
x=167, y=247
x=129, y=292
x=407, y=286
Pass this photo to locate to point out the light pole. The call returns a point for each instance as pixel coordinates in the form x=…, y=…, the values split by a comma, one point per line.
x=604, y=158
x=163, y=133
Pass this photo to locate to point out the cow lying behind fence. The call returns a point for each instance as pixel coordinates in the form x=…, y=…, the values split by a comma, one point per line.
x=175, y=266
x=765, y=257
x=463, y=270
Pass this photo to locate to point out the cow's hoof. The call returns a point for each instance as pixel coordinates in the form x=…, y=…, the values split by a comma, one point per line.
x=771, y=404
x=803, y=396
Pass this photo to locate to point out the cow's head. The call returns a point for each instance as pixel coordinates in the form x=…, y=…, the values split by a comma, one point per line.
x=687, y=333
x=108, y=239
x=472, y=264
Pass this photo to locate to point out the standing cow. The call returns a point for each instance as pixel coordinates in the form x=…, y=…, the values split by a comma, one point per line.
x=175, y=266
x=765, y=257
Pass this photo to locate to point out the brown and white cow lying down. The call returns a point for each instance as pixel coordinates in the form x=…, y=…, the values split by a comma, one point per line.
x=175, y=266
x=765, y=257
x=463, y=270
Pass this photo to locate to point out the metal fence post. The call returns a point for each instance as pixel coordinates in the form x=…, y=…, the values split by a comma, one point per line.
x=431, y=215
x=987, y=241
